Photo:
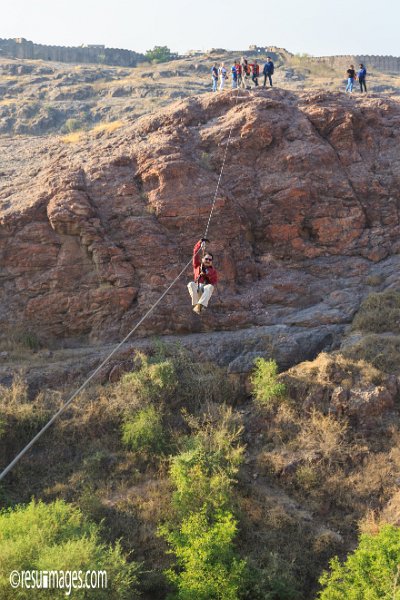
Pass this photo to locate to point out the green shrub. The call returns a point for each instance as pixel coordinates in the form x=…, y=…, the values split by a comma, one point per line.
x=144, y=431
x=265, y=385
x=160, y=54
x=371, y=572
x=204, y=472
x=155, y=380
x=208, y=566
x=56, y=536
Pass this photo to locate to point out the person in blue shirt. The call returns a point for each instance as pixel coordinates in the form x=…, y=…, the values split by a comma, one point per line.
x=361, y=75
x=268, y=71
x=351, y=76
x=234, y=76
x=214, y=75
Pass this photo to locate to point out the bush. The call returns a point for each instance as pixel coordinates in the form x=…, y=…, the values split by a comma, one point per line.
x=371, y=572
x=209, y=569
x=56, y=536
x=204, y=472
x=160, y=54
x=72, y=125
x=144, y=431
x=264, y=382
x=154, y=380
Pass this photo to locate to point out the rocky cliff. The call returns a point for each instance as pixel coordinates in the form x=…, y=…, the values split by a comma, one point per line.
x=306, y=222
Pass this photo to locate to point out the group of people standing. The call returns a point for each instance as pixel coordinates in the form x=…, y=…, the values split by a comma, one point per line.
x=241, y=72
x=352, y=76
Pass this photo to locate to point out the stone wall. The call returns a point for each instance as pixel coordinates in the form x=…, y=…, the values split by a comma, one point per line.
x=386, y=64
x=21, y=48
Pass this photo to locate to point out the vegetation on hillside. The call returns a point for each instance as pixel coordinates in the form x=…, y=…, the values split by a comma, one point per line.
x=215, y=496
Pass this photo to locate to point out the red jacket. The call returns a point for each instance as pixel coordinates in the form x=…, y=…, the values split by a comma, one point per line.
x=255, y=69
x=208, y=275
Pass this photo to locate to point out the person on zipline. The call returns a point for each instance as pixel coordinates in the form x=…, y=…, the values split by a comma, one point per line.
x=205, y=278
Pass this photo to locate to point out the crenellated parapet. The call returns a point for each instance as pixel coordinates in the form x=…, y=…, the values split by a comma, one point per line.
x=97, y=54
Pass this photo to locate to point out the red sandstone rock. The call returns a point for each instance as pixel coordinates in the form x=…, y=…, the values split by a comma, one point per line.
x=308, y=202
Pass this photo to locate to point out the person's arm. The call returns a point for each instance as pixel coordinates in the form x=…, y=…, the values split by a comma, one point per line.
x=196, y=252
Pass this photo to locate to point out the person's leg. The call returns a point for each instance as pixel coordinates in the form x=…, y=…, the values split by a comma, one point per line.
x=215, y=81
x=270, y=79
x=265, y=80
x=365, y=85
x=193, y=291
x=206, y=295
x=349, y=82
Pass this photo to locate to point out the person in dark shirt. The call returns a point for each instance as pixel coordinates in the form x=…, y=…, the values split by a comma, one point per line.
x=214, y=75
x=351, y=75
x=362, y=73
x=268, y=71
x=245, y=72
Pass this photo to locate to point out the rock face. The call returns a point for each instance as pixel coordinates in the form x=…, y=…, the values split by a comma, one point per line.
x=306, y=220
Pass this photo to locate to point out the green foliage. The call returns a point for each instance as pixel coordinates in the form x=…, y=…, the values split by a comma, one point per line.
x=56, y=536
x=153, y=381
x=275, y=581
x=204, y=472
x=209, y=569
x=371, y=572
x=264, y=382
x=160, y=54
x=144, y=431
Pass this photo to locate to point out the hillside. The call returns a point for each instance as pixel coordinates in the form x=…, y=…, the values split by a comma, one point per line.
x=38, y=97
x=94, y=225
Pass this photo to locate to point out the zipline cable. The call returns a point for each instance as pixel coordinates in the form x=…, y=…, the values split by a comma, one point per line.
x=105, y=361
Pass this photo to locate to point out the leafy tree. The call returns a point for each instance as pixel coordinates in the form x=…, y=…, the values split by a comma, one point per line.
x=371, y=572
x=264, y=382
x=206, y=556
x=202, y=533
x=160, y=54
x=56, y=536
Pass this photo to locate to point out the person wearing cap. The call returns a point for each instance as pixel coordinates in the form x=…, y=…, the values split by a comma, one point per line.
x=205, y=278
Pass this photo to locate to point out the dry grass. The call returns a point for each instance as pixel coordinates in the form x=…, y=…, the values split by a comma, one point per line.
x=8, y=101
x=337, y=368
x=380, y=351
x=73, y=138
x=108, y=127
x=322, y=438
x=379, y=313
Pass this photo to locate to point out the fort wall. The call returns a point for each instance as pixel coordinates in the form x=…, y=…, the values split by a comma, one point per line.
x=22, y=48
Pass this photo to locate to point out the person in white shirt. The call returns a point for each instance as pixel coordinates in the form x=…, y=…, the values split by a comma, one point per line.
x=222, y=76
